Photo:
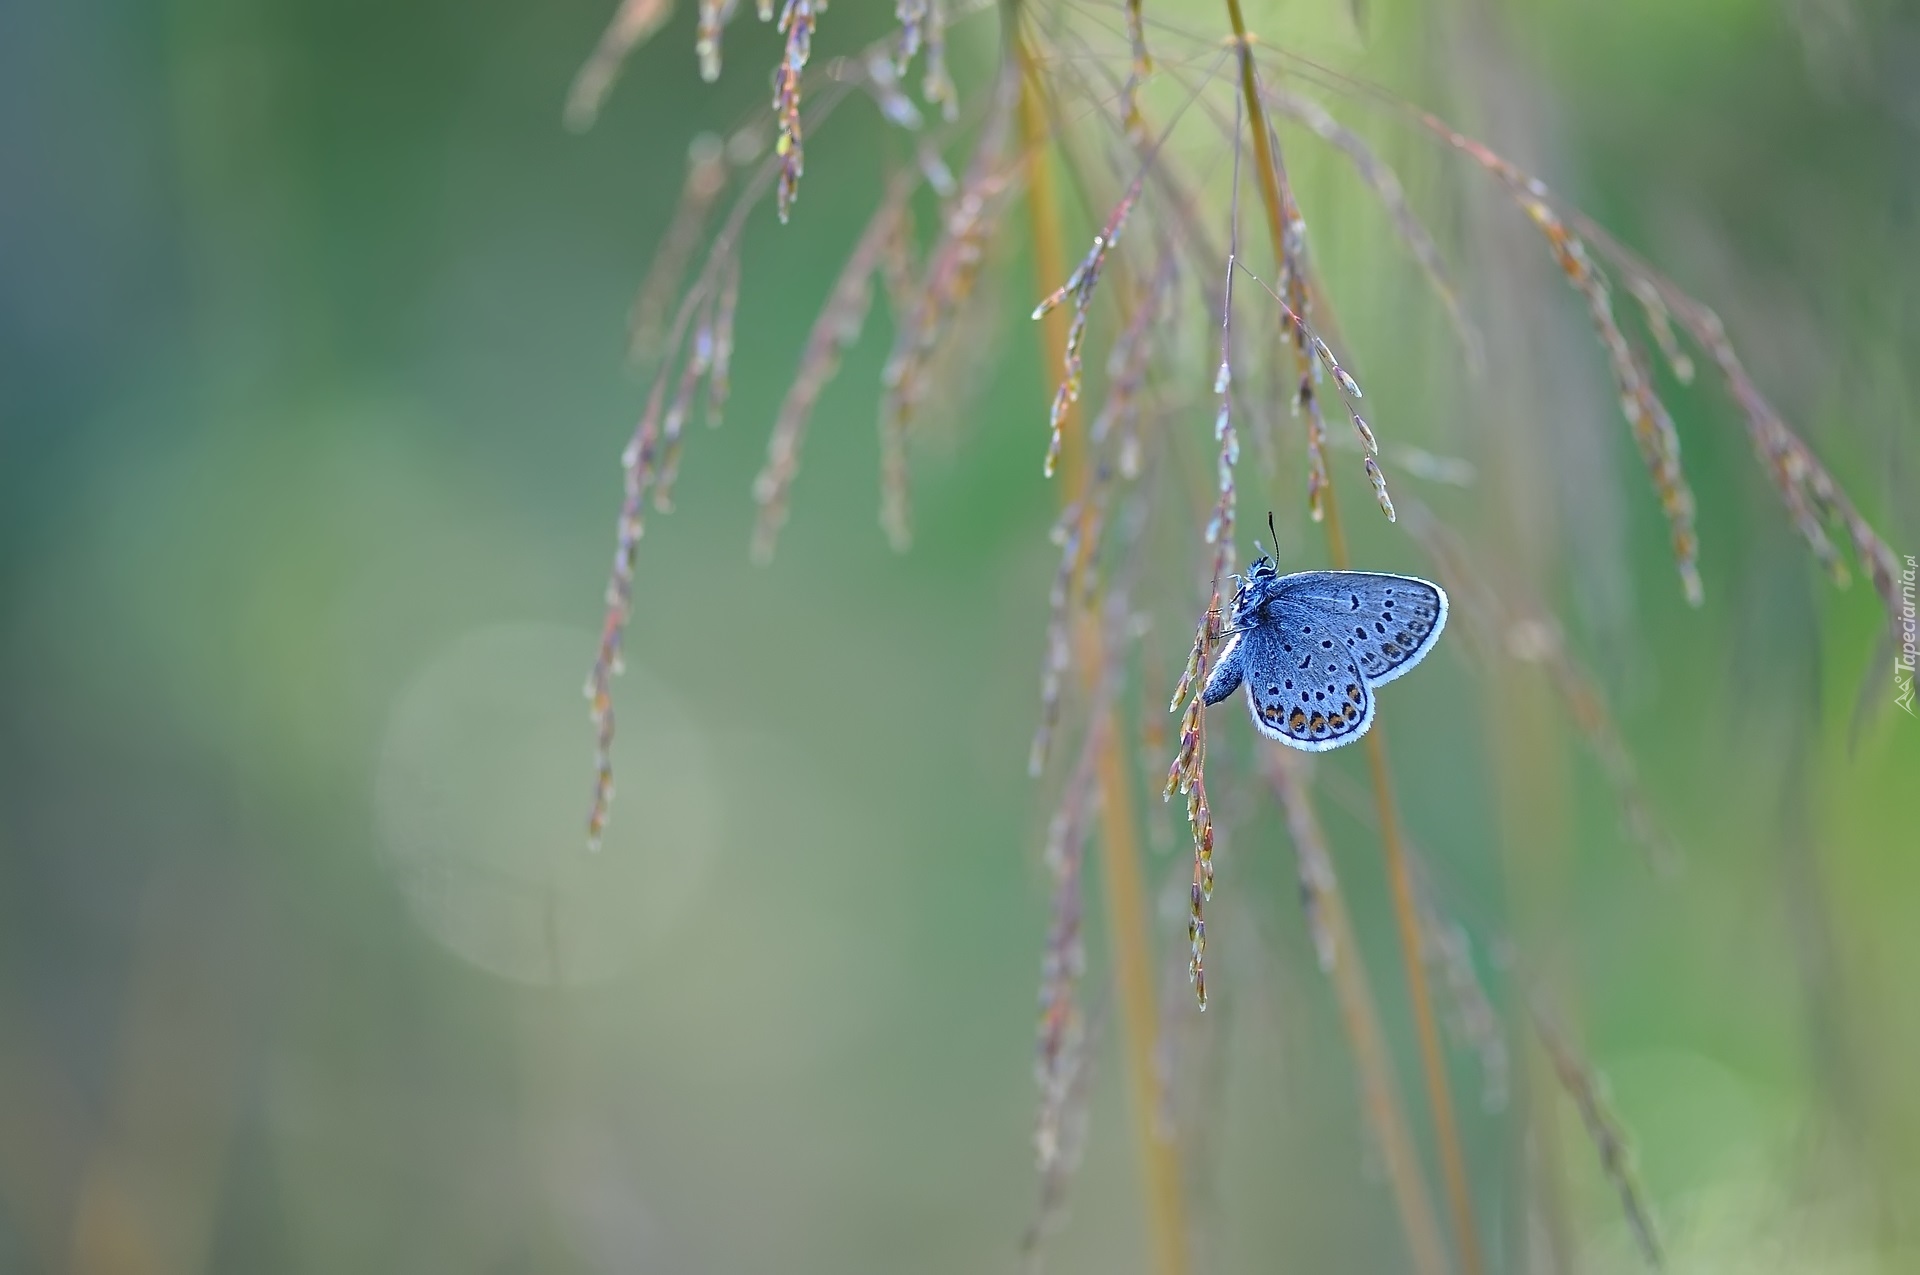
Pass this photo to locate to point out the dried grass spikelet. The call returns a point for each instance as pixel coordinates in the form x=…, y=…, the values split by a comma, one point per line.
x=1113, y=445
x=1079, y=288
x=912, y=17
x=1067, y=534
x=633, y=23
x=713, y=18
x=882, y=75
x=650, y=456
x=1137, y=73
x=1146, y=447
x=1652, y=426
x=708, y=363
x=1058, y=1056
x=1812, y=497
x=837, y=327
x=1187, y=775
x=1294, y=289
x=1064, y=1057
x=1293, y=296
x=797, y=21
x=1501, y=624
x=1127, y=364
x=1085, y=278
x=1814, y=501
x=720, y=371
x=923, y=26
x=1471, y=1016
x=1385, y=185
x=696, y=348
x=953, y=265
x=1187, y=1059
x=1653, y=429
x=936, y=83
x=1587, y=1090
x=1659, y=322
x=1321, y=357
x=706, y=179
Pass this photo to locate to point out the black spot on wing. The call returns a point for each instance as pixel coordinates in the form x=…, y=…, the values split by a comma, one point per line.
x=1319, y=715
x=1393, y=619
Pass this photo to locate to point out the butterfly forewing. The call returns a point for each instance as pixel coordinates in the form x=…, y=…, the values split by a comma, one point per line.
x=1387, y=623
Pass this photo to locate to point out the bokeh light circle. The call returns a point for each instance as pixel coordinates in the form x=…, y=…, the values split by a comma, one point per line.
x=481, y=802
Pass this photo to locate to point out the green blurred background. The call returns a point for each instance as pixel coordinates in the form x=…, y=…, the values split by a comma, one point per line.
x=311, y=394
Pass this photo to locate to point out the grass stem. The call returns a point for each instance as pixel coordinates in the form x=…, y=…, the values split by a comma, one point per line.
x=1399, y=875
x=1125, y=889
x=1360, y=1020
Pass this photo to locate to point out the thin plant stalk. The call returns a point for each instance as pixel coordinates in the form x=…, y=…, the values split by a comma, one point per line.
x=1125, y=888
x=1359, y=1016
x=1531, y=793
x=1531, y=799
x=1530, y=773
x=1433, y=1062
x=1453, y=1170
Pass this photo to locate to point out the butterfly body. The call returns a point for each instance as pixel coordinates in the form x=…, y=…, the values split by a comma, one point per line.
x=1311, y=647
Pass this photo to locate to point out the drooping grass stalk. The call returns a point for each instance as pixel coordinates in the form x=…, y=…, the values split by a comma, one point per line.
x=1518, y=549
x=1531, y=800
x=1125, y=889
x=1550, y=1064
x=1587, y=1092
x=1359, y=1017
x=1509, y=623
x=1531, y=803
x=1061, y=70
x=1406, y=911
x=1453, y=1169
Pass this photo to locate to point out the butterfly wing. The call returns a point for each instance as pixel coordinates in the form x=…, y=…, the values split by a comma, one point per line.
x=1304, y=688
x=1387, y=623
x=1224, y=678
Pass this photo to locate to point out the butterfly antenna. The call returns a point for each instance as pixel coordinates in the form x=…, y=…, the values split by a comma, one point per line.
x=1273, y=533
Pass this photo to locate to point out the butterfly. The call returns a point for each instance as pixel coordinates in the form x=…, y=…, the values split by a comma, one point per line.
x=1312, y=647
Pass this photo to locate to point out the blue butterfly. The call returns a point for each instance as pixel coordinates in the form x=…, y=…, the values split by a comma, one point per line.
x=1312, y=646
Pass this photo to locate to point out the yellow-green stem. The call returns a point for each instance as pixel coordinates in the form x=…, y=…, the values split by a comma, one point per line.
x=1531, y=784
x=1406, y=912
x=1126, y=895
x=1360, y=1020
x=1433, y=1062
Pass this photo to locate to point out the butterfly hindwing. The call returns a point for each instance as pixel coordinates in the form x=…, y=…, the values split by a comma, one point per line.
x=1387, y=623
x=1303, y=688
x=1224, y=678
